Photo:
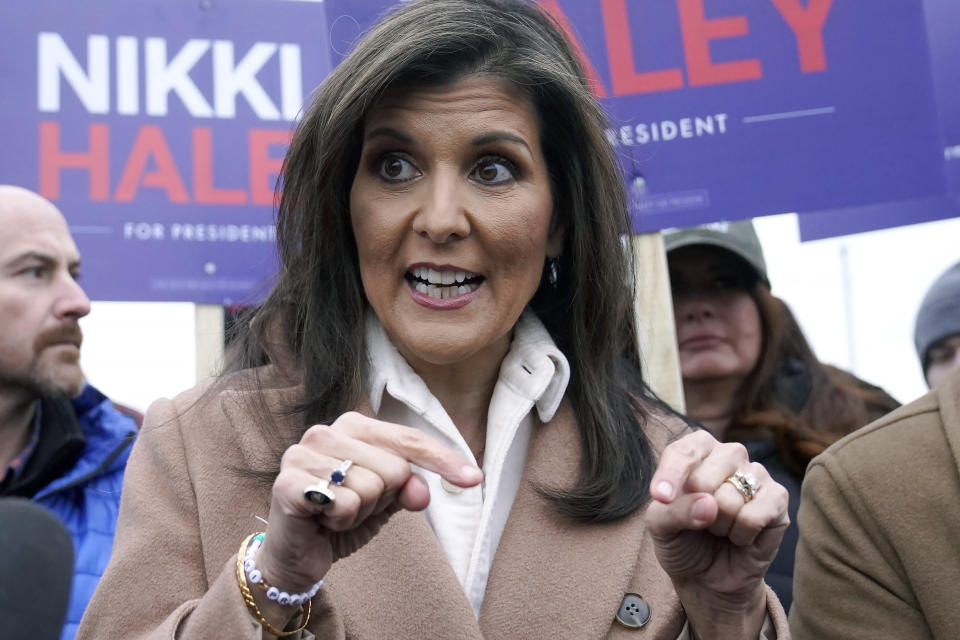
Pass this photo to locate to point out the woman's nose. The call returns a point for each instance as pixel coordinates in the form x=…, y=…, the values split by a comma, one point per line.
x=442, y=216
x=693, y=308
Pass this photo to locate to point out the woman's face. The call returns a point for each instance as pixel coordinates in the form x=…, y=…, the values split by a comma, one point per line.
x=451, y=210
x=718, y=325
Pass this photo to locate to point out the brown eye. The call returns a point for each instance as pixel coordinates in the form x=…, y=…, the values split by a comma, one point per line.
x=487, y=172
x=494, y=171
x=397, y=169
x=393, y=167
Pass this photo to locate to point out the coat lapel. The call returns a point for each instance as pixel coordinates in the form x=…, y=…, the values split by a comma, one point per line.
x=551, y=573
x=398, y=585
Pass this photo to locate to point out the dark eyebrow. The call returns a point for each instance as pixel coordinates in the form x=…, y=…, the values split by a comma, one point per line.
x=500, y=136
x=389, y=132
x=45, y=259
x=31, y=256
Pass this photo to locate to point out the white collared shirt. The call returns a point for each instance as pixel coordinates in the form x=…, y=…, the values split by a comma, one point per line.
x=469, y=522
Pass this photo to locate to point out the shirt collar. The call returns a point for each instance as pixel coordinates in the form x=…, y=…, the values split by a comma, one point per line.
x=534, y=368
x=15, y=470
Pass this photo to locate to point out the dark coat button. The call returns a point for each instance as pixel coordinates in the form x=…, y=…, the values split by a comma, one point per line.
x=634, y=612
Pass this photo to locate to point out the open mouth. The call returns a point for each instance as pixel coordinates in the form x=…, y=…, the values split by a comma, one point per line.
x=441, y=284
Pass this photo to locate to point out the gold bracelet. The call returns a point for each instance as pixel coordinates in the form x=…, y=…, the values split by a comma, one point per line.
x=252, y=604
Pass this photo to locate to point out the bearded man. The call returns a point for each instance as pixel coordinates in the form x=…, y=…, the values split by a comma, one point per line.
x=62, y=443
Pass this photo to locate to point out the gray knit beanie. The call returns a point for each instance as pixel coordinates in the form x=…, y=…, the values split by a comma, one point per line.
x=939, y=314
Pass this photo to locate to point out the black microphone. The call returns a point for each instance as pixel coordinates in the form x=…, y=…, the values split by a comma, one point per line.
x=36, y=569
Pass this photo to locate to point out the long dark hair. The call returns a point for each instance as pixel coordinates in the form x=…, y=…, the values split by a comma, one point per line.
x=317, y=305
x=792, y=397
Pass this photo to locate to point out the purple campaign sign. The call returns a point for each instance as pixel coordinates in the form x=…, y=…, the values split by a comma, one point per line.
x=744, y=108
x=943, y=29
x=726, y=110
x=158, y=128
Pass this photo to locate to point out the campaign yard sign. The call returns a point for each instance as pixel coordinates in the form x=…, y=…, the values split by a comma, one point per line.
x=159, y=126
x=943, y=30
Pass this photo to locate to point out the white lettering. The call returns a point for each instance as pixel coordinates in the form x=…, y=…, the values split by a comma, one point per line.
x=229, y=80
x=91, y=86
x=668, y=130
x=643, y=134
x=163, y=77
x=222, y=232
x=153, y=76
x=721, y=122
x=143, y=230
x=704, y=126
x=128, y=76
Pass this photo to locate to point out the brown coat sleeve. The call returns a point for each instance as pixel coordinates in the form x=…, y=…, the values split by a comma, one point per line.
x=879, y=523
x=844, y=584
x=155, y=585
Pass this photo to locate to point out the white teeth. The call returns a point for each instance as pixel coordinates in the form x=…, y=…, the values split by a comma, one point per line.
x=445, y=278
x=443, y=292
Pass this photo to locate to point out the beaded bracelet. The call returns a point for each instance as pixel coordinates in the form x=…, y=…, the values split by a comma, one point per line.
x=256, y=577
x=252, y=604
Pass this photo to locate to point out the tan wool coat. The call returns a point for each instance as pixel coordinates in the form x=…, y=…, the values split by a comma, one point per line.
x=879, y=552
x=185, y=512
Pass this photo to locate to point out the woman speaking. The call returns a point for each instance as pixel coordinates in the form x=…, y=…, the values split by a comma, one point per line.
x=438, y=412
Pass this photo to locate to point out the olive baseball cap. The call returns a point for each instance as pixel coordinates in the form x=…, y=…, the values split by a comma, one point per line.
x=939, y=314
x=739, y=238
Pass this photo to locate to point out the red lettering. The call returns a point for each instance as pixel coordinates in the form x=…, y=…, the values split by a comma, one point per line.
x=593, y=80
x=150, y=143
x=264, y=168
x=623, y=73
x=807, y=25
x=698, y=31
x=203, y=190
x=96, y=161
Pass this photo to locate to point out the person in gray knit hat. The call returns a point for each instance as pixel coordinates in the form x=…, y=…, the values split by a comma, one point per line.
x=937, y=331
x=748, y=373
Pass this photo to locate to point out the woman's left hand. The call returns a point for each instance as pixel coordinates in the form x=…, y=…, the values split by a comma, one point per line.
x=714, y=543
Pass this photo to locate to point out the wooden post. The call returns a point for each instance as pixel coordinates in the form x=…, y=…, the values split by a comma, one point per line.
x=209, y=340
x=654, y=309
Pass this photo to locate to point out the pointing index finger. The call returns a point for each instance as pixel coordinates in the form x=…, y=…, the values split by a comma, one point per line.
x=418, y=448
x=677, y=461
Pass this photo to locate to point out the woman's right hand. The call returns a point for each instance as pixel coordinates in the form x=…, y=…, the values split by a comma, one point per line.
x=304, y=539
